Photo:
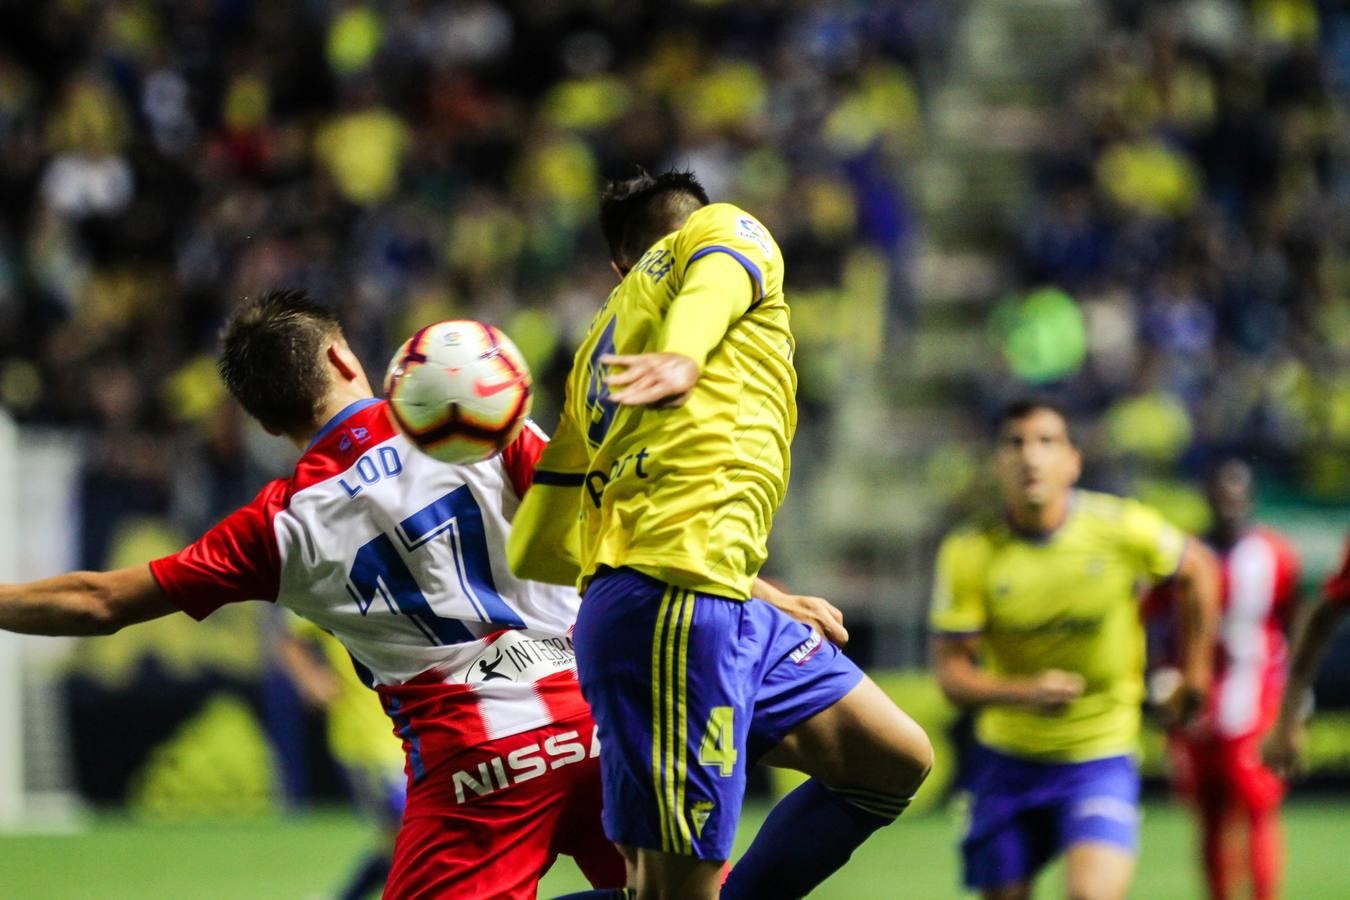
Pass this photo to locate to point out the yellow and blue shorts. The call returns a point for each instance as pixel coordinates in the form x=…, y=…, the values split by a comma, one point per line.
x=688, y=690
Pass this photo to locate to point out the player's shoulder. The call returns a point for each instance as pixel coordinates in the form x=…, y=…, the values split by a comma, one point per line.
x=1101, y=509
x=725, y=222
x=342, y=443
x=974, y=538
x=1280, y=546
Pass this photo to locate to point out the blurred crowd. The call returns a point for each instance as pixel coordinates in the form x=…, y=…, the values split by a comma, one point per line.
x=405, y=161
x=1188, y=234
x=1181, y=265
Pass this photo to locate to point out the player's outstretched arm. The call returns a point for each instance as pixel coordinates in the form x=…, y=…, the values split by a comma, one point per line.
x=1312, y=638
x=83, y=603
x=1198, y=586
x=715, y=293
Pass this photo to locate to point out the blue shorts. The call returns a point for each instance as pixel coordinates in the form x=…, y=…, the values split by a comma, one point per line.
x=1024, y=813
x=688, y=690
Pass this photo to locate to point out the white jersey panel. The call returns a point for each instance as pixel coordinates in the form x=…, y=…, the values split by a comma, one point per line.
x=403, y=559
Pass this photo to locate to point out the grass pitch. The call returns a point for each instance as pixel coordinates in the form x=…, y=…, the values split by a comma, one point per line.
x=308, y=855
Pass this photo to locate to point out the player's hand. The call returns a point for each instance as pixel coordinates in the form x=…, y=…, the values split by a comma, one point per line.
x=319, y=689
x=817, y=612
x=1282, y=750
x=651, y=379
x=1053, y=690
x=1185, y=705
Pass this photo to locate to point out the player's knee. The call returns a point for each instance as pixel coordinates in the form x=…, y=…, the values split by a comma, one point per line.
x=910, y=760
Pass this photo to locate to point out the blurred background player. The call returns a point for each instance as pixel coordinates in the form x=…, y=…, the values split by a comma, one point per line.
x=1036, y=622
x=359, y=739
x=501, y=770
x=1284, y=747
x=673, y=451
x=1216, y=759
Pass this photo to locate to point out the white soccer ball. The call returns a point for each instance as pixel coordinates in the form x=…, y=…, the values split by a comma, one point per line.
x=459, y=390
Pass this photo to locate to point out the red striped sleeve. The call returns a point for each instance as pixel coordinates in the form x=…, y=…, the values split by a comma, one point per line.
x=520, y=456
x=236, y=560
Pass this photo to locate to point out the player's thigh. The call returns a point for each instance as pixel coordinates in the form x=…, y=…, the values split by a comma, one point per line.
x=579, y=833
x=1096, y=870
x=862, y=740
x=666, y=678
x=466, y=857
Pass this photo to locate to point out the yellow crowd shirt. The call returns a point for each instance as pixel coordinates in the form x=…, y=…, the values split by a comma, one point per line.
x=1066, y=600
x=684, y=494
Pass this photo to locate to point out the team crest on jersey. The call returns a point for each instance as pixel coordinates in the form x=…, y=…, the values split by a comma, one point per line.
x=699, y=814
x=345, y=443
x=751, y=230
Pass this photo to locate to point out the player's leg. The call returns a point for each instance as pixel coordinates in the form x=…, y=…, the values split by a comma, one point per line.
x=817, y=713
x=1266, y=847
x=1098, y=823
x=580, y=833
x=1097, y=870
x=861, y=744
x=1258, y=793
x=465, y=834
x=1196, y=766
x=1220, y=844
x=659, y=668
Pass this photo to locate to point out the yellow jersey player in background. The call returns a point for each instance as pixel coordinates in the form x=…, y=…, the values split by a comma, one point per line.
x=359, y=739
x=655, y=497
x=1037, y=624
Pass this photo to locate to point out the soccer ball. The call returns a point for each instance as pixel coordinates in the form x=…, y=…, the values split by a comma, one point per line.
x=459, y=390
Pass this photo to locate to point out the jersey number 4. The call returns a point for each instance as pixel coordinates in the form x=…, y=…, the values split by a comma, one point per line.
x=379, y=569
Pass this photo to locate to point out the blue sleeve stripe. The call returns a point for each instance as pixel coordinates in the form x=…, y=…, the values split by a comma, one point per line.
x=559, y=479
x=739, y=257
x=404, y=729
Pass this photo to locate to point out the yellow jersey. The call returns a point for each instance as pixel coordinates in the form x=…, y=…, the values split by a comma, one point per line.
x=1067, y=600
x=684, y=494
x=359, y=732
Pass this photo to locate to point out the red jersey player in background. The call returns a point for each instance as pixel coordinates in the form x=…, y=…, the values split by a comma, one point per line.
x=402, y=559
x=1216, y=761
x=1284, y=745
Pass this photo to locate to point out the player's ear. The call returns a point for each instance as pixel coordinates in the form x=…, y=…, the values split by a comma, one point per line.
x=344, y=360
x=1076, y=463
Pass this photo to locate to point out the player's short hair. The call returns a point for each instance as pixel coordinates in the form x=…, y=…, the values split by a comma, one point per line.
x=637, y=212
x=1020, y=408
x=271, y=358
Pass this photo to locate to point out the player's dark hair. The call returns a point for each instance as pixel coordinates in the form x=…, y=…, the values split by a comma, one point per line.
x=637, y=212
x=271, y=358
x=1020, y=408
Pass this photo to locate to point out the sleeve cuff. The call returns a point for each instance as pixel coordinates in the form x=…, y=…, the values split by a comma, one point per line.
x=741, y=258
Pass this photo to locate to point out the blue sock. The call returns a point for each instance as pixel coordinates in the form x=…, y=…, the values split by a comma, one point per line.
x=367, y=879
x=806, y=838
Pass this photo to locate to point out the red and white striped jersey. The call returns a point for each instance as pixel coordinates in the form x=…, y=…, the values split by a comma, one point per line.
x=402, y=558
x=1260, y=585
x=1260, y=580
x=1336, y=591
